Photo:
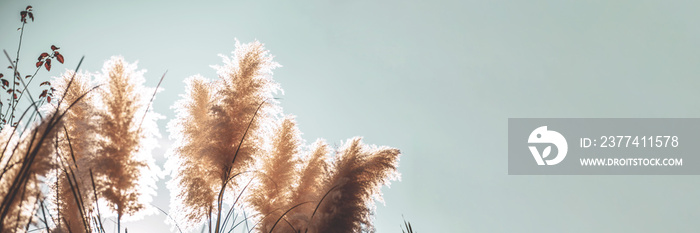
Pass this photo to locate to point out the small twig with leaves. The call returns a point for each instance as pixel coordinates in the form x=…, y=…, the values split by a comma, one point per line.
x=17, y=87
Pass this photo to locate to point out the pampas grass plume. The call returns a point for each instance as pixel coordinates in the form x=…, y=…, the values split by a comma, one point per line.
x=277, y=175
x=127, y=173
x=220, y=128
x=357, y=175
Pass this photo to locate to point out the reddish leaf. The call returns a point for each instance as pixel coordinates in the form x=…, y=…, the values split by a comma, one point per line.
x=17, y=83
x=59, y=57
x=43, y=55
x=1, y=75
x=18, y=91
x=23, y=14
x=27, y=76
x=29, y=8
x=9, y=67
x=45, y=83
x=39, y=63
x=48, y=99
x=54, y=48
x=5, y=82
x=15, y=95
x=43, y=94
x=31, y=16
x=48, y=65
x=10, y=91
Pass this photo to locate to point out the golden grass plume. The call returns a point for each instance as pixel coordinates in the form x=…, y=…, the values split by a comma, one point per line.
x=277, y=175
x=127, y=134
x=219, y=129
x=26, y=158
x=77, y=150
x=357, y=174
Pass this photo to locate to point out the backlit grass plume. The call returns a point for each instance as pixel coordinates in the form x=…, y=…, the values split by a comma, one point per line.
x=243, y=108
x=25, y=159
x=273, y=194
x=10, y=163
x=358, y=171
x=126, y=174
x=219, y=130
x=192, y=187
x=77, y=150
x=315, y=170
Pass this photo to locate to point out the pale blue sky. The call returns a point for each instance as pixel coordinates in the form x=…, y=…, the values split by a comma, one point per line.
x=437, y=79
